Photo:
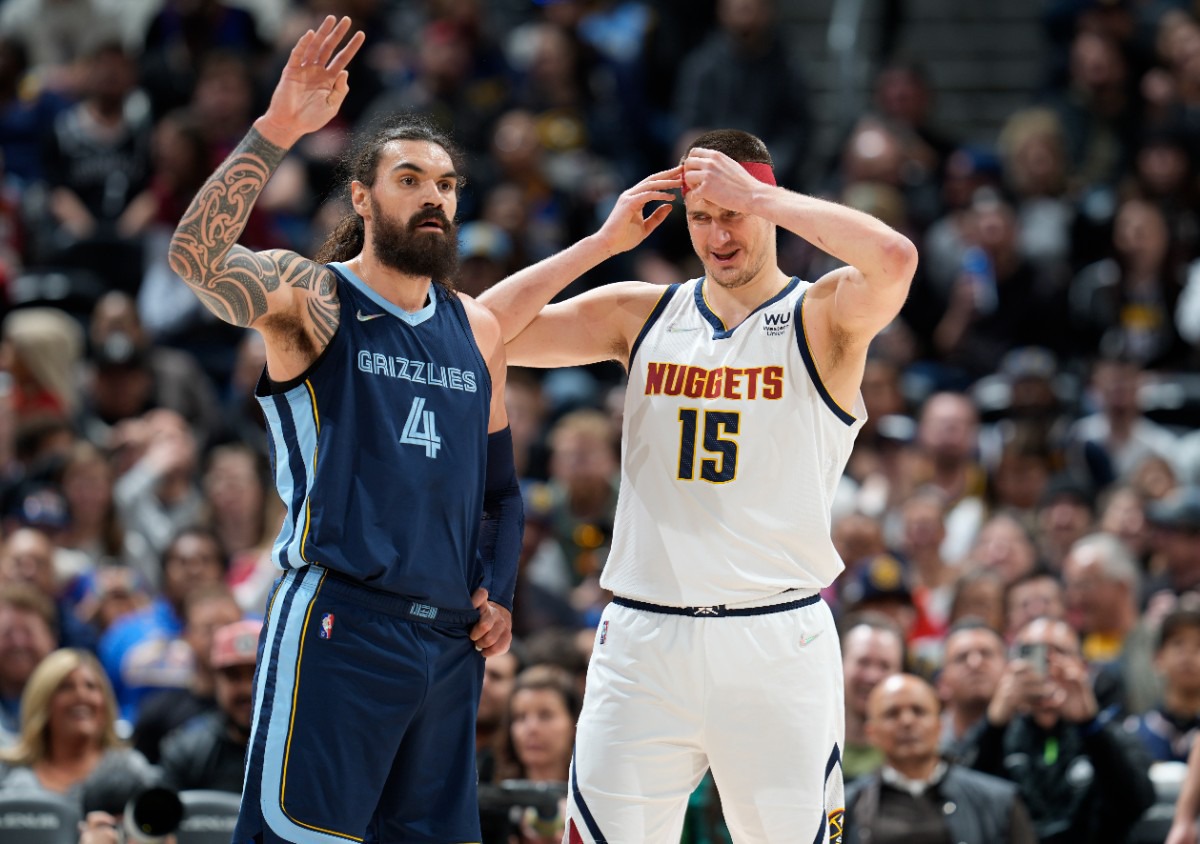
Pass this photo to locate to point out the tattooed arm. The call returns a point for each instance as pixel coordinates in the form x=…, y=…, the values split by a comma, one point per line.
x=292, y=301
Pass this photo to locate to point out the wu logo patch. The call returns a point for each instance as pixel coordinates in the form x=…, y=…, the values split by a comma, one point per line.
x=326, y=626
x=776, y=324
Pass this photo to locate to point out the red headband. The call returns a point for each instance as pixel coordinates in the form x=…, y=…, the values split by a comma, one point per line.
x=762, y=172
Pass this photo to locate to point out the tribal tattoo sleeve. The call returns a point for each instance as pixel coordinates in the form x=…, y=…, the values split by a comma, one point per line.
x=232, y=281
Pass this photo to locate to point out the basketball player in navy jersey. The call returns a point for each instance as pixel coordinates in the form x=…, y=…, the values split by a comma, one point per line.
x=741, y=409
x=384, y=397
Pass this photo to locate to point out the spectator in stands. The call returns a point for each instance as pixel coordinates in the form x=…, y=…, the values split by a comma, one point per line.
x=1080, y=775
x=1128, y=301
x=210, y=750
x=1005, y=547
x=1176, y=524
x=207, y=610
x=68, y=732
x=1064, y=515
x=1033, y=147
x=42, y=348
x=947, y=446
x=999, y=300
x=975, y=656
x=916, y=795
x=156, y=490
x=1123, y=515
x=27, y=636
x=1102, y=587
x=744, y=75
x=95, y=533
x=27, y=555
x=1168, y=730
x=872, y=648
x=144, y=651
x=130, y=376
x=1112, y=442
x=1038, y=594
x=583, y=476
x=97, y=163
x=979, y=594
x=181, y=35
x=499, y=674
x=26, y=116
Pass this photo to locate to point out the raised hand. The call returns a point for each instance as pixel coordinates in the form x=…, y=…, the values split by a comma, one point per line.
x=716, y=177
x=627, y=224
x=313, y=83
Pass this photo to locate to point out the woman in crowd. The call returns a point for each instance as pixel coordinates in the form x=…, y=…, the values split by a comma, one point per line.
x=68, y=740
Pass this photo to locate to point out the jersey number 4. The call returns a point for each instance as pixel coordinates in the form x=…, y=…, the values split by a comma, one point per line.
x=420, y=429
x=721, y=468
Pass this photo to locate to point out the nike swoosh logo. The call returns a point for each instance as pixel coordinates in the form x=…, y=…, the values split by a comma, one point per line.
x=804, y=640
x=675, y=329
x=367, y=317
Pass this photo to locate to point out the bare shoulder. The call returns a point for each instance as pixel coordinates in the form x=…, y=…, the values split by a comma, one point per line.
x=483, y=322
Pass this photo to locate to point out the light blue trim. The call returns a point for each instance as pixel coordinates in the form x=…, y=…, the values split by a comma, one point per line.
x=281, y=716
x=259, y=688
x=415, y=318
x=300, y=401
x=285, y=480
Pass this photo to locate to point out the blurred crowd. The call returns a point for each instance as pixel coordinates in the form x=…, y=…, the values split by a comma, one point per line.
x=1020, y=519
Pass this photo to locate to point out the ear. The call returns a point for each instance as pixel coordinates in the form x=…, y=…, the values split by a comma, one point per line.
x=360, y=199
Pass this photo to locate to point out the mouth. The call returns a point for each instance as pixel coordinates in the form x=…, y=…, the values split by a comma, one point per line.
x=724, y=258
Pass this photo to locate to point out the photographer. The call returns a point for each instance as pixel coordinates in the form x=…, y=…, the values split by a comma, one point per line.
x=1081, y=777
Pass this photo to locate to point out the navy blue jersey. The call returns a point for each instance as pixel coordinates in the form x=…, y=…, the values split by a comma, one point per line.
x=379, y=449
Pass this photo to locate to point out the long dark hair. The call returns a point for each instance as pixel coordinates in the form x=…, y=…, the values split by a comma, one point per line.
x=362, y=163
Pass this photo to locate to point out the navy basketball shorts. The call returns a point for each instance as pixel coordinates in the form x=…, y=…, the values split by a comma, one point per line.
x=364, y=719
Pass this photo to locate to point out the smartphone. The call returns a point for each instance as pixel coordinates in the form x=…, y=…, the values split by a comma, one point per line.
x=1035, y=654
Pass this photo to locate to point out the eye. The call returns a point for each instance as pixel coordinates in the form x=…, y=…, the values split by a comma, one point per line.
x=445, y=186
x=407, y=180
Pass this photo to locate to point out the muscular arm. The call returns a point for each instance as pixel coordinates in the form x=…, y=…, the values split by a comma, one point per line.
x=291, y=300
x=239, y=286
x=518, y=299
x=848, y=306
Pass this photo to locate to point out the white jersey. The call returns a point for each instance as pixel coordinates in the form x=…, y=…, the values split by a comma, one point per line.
x=731, y=453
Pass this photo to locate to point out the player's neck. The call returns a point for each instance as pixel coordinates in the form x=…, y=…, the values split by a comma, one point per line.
x=407, y=292
x=734, y=304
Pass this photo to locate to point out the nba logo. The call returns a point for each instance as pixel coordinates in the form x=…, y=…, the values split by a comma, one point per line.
x=327, y=626
x=603, y=632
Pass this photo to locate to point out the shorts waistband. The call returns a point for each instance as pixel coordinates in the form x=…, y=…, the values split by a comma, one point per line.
x=719, y=610
x=335, y=583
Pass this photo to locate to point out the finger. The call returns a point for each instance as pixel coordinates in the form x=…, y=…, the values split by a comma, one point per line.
x=656, y=219
x=500, y=647
x=314, y=46
x=479, y=598
x=347, y=53
x=482, y=628
x=297, y=55
x=674, y=173
x=329, y=44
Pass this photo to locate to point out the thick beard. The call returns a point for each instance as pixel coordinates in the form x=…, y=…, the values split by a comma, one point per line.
x=420, y=253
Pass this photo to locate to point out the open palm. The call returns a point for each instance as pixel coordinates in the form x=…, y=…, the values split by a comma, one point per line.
x=313, y=84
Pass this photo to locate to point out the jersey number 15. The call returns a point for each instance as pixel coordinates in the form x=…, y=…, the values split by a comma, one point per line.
x=723, y=466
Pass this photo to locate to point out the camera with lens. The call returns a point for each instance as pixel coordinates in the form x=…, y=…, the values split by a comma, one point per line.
x=148, y=813
x=502, y=808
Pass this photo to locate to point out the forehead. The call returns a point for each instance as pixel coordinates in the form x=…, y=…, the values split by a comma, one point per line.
x=425, y=155
x=904, y=691
x=973, y=638
x=1051, y=632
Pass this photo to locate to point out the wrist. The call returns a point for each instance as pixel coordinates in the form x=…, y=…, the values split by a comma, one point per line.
x=276, y=133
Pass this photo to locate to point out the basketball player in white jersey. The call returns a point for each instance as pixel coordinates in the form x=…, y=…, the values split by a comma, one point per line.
x=741, y=408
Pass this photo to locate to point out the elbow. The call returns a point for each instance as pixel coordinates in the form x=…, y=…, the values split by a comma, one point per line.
x=899, y=259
